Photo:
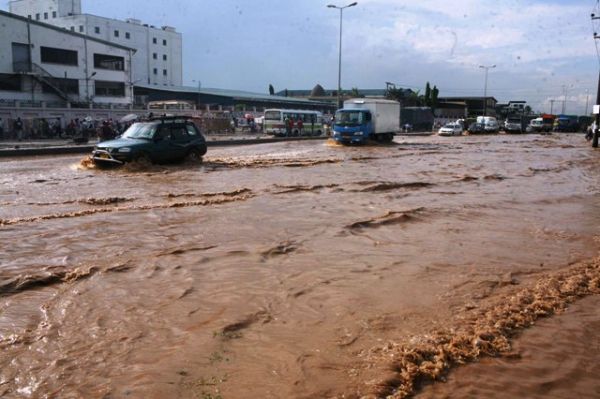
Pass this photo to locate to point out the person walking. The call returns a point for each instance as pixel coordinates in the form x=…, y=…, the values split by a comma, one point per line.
x=18, y=127
x=300, y=125
x=290, y=126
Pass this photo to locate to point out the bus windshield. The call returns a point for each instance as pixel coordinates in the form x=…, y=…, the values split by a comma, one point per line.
x=349, y=118
x=273, y=115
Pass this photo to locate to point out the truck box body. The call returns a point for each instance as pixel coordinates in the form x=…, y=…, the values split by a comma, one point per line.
x=365, y=118
x=420, y=118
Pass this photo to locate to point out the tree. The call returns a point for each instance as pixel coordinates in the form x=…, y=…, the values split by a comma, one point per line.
x=271, y=90
x=355, y=93
x=434, y=97
x=427, y=98
x=286, y=92
x=527, y=110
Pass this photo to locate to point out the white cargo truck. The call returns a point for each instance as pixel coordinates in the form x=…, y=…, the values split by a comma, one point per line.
x=362, y=119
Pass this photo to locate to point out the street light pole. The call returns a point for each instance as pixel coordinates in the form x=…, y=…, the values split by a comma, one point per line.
x=487, y=69
x=587, y=101
x=339, y=94
x=596, y=133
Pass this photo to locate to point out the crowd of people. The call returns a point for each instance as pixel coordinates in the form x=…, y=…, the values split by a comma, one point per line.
x=76, y=129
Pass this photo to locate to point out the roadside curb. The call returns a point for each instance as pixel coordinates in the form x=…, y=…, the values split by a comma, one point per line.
x=84, y=149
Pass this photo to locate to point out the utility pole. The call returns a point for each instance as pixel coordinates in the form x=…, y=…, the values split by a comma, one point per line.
x=596, y=132
x=552, y=107
x=587, y=100
x=485, y=102
x=565, y=90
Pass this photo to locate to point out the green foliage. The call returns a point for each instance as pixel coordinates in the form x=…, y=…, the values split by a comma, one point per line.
x=355, y=93
x=271, y=90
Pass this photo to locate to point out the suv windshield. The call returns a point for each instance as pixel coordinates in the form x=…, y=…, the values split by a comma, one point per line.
x=141, y=131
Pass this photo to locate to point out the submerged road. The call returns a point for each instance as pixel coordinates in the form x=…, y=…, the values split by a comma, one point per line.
x=303, y=269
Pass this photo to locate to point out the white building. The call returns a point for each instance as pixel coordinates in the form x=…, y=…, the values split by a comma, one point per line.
x=41, y=62
x=158, y=57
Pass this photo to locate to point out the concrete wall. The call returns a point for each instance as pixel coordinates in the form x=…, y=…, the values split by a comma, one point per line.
x=16, y=31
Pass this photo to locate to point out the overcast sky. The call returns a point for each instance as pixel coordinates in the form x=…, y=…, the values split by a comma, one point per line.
x=537, y=45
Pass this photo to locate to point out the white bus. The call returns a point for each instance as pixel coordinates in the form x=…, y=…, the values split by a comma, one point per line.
x=285, y=122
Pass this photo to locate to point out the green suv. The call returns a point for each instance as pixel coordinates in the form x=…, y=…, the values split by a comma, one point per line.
x=159, y=140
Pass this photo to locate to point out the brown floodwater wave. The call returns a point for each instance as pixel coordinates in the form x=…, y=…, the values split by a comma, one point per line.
x=237, y=195
x=486, y=332
x=302, y=270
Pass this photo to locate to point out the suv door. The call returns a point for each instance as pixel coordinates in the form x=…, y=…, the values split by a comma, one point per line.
x=180, y=141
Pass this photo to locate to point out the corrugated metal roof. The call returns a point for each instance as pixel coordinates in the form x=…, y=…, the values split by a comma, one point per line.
x=235, y=94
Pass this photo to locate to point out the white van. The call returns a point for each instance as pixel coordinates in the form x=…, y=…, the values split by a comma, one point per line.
x=490, y=124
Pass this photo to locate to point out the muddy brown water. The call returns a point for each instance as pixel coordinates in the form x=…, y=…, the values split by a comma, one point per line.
x=302, y=270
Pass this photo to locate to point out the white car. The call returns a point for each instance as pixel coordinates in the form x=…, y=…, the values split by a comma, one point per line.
x=451, y=129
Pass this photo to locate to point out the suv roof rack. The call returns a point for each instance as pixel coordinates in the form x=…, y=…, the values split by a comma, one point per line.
x=170, y=117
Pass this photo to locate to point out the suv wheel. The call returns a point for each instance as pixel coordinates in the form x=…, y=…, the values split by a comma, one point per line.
x=143, y=158
x=195, y=155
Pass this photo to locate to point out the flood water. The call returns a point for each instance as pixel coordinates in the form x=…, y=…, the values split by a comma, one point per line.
x=293, y=270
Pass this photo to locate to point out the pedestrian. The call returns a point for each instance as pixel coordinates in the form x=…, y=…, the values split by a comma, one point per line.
x=300, y=126
x=70, y=130
x=18, y=128
x=45, y=128
x=290, y=126
x=56, y=129
x=106, y=132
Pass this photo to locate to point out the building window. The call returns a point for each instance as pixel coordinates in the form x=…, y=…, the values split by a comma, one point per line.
x=45, y=15
x=58, y=56
x=97, y=30
x=37, y=17
x=116, y=33
x=127, y=35
x=155, y=71
x=10, y=82
x=81, y=28
x=53, y=14
x=164, y=57
x=155, y=56
x=112, y=62
x=164, y=72
x=154, y=40
x=109, y=89
x=164, y=42
x=69, y=86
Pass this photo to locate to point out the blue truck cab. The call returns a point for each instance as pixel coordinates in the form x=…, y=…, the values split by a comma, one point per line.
x=352, y=126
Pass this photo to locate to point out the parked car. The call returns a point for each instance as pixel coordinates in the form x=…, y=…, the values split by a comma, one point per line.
x=158, y=140
x=513, y=125
x=475, y=128
x=450, y=129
